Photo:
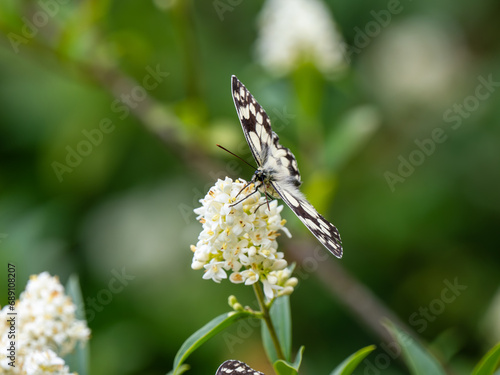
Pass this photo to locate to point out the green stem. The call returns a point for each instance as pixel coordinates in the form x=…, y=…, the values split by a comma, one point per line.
x=267, y=318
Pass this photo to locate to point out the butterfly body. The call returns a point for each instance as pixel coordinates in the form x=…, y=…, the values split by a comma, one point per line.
x=265, y=176
x=278, y=174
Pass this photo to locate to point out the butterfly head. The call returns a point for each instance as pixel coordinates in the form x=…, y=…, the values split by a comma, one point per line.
x=262, y=180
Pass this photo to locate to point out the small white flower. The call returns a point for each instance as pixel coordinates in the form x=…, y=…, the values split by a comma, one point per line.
x=44, y=362
x=215, y=271
x=238, y=237
x=279, y=264
x=270, y=289
x=296, y=31
x=236, y=278
x=250, y=277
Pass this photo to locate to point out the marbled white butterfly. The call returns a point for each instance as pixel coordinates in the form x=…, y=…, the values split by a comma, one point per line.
x=277, y=174
x=235, y=367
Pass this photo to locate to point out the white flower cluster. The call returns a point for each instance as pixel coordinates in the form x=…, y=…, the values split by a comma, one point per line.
x=46, y=329
x=241, y=238
x=294, y=31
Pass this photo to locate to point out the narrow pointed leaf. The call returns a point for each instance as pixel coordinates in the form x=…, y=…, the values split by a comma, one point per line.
x=205, y=333
x=417, y=358
x=285, y=368
x=181, y=370
x=350, y=134
x=350, y=363
x=78, y=360
x=489, y=363
x=282, y=321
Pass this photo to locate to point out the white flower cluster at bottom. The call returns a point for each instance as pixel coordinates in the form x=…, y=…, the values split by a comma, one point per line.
x=239, y=234
x=46, y=329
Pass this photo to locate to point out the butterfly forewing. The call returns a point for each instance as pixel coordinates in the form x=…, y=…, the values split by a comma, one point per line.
x=254, y=121
x=235, y=367
x=263, y=142
x=278, y=168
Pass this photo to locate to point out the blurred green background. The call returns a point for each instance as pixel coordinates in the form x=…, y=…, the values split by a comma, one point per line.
x=391, y=108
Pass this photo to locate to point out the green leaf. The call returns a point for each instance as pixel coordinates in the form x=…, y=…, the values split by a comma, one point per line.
x=282, y=321
x=489, y=362
x=448, y=343
x=73, y=290
x=78, y=360
x=308, y=84
x=181, y=370
x=351, y=362
x=285, y=368
x=418, y=359
x=206, y=332
x=350, y=135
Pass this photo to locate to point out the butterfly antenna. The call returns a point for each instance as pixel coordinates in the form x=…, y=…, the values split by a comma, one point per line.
x=239, y=157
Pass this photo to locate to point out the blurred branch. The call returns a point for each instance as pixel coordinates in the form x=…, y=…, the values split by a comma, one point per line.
x=349, y=291
x=154, y=116
x=155, y=119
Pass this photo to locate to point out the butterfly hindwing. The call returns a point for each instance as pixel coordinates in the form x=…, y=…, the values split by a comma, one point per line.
x=278, y=168
x=235, y=367
x=322, y=229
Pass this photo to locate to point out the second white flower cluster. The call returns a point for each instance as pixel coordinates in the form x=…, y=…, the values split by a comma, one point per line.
x=46, y=330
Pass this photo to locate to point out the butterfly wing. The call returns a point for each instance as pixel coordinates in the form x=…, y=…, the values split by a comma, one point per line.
x=233, y=366
x=322, y=229
x=263, y=142
x=254, y=121
x=280, y=165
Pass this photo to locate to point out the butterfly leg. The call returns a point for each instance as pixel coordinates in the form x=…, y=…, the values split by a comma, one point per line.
x=242, y=199
x=267, y=202
x=243, y=188
x=269, y=198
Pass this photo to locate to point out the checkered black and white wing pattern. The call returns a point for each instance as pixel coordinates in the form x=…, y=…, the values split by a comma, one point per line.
x=263, y=142
x=278, y=168
x=322, y=229
x=235, y=367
